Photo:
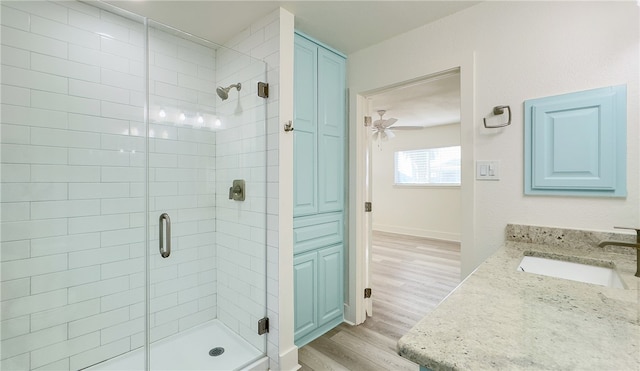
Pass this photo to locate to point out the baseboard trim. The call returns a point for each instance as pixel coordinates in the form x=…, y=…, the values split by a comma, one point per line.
x=436, y=235
x=304, y=340
x=289, y=359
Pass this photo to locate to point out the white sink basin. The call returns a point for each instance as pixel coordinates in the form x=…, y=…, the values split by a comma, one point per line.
x=571, y=271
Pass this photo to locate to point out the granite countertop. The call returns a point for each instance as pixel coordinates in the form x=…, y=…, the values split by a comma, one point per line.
x=501, y=318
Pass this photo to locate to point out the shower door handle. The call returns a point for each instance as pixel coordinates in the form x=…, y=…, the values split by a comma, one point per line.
x=164, y=217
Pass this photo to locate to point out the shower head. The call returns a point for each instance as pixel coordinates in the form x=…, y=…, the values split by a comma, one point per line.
x=223, y=93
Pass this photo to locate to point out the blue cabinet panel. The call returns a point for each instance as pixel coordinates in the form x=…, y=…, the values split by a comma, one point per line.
x=330, y=284
x=331, y=174
x=305, y=85
x=575, y=144
x=305, y=118
x=331, y=93
x=577, y=130
x=331, y=130
x=315, y=231
x=305, y=190
x=305, y=293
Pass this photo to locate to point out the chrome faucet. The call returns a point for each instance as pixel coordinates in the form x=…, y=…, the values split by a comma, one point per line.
x=627, y=244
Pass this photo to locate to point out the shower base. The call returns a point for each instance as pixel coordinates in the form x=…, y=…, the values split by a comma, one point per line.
x=190, y=349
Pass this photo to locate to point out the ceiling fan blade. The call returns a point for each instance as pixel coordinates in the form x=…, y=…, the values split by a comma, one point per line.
x=375, y=135
x=389, y=122
x=378, y=122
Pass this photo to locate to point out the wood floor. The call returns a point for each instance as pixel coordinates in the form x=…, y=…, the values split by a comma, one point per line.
x=411, y=275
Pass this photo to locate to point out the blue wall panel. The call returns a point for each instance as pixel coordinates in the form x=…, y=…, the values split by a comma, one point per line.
x=575, y=144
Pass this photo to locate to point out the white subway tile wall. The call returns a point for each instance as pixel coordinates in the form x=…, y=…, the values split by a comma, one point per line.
x=71, y=242
x=73, y=186
x=261, y=41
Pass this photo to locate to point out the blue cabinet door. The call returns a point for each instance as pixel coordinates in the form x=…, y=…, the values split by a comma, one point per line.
x=330, y=284
x=305, y=118
x=305, y=293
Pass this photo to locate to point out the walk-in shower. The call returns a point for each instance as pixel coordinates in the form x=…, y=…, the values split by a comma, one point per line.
x=119, y=247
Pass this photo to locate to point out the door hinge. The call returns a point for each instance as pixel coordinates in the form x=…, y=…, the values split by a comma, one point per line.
x=367, y=207
x=263, y=90
x=263, y=326
x=367, y=293
x=367, y=121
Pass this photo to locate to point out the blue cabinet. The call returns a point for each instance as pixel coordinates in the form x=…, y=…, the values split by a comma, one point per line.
x=319, y=187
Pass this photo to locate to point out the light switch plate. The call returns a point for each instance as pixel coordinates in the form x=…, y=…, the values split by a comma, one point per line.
x=487, y=170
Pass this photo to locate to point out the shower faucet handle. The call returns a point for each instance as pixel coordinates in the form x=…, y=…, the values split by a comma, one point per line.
x=236, y=191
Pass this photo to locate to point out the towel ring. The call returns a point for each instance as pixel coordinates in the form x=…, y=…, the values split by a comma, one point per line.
x=499, y=110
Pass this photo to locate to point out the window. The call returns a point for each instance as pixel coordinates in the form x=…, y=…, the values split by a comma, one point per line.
x=432, y=166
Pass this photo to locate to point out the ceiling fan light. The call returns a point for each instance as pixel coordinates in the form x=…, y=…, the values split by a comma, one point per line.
x=390, y=134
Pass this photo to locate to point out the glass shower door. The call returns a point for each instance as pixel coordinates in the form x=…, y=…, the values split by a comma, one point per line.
x=207, y=251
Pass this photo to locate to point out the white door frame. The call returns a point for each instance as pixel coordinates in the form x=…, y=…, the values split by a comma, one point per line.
x=358, y=253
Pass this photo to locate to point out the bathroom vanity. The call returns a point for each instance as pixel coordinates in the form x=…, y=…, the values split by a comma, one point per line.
x=503, y=318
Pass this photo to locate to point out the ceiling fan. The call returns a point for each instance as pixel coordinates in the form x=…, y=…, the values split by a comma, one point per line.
x=383, y=130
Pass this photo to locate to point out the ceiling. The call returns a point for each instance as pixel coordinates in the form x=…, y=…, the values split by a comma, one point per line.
x=429, y=102
x=347, y=26
x=365, y=22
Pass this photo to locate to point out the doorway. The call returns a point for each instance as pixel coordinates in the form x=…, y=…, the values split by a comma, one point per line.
x=413, y=265
x=414, y=172
x=410, y=119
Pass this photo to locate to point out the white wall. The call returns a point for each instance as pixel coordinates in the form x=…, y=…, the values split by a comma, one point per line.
x=432, y=212
x=519, y=50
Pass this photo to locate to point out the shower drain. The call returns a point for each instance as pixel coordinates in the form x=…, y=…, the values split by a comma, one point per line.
x=216, y=351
